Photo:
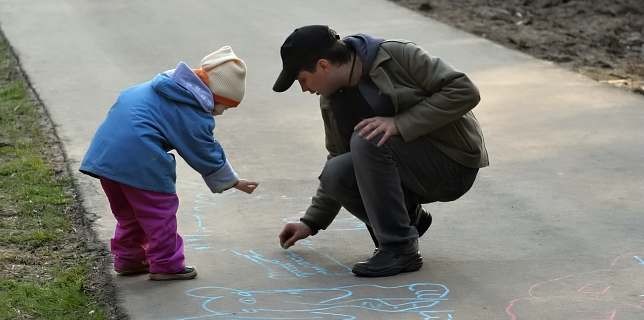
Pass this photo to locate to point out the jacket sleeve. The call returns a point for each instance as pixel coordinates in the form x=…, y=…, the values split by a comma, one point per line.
x=450, y=94
x=329, y=141
x=321, y=212
x=323, y=208
x=204, y=154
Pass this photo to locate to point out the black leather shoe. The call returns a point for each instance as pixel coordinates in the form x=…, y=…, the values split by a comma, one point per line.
x=386, y=263
x=423, y=221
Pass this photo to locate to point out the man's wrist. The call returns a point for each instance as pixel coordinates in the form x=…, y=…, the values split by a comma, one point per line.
x=311, y=225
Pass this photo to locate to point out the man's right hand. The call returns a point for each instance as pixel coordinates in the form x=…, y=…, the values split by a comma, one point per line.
x=292, y=232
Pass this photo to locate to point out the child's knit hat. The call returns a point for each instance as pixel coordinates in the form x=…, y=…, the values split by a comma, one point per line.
x=225, y=75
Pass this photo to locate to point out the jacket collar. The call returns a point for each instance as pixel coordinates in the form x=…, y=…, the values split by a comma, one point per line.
x=377, y=74
x=380, y=77
x=381, y=57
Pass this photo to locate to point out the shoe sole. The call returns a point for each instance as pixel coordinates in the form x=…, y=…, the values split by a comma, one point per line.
x=410, y=267
x=173, y=276
x=133, y=272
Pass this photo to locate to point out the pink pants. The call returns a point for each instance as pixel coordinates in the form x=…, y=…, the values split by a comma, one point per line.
x=146, y=229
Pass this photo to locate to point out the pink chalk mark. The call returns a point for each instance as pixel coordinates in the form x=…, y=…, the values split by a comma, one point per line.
x=584, y=287
x=538, y=284
x=509, y=310
x=611, y=316
x=605, y=291
x=599, y=293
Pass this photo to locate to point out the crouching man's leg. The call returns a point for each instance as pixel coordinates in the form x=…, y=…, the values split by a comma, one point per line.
x=381, y=190
x=338, y=180
x=393, y=181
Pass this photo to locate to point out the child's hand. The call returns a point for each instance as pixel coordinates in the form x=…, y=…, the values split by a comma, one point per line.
x=246, y=186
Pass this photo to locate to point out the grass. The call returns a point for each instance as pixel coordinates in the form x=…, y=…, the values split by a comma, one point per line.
x=44, y=264
x=62, y=298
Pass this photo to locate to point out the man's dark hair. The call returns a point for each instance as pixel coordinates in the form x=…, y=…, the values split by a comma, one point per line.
x=338, y=53
x=304, y=47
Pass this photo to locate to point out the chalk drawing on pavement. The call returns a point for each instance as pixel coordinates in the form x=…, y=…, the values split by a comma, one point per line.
x=604, y=294
x=294, y=266
x=411, y=301
x=198, y=240
x=343, y=222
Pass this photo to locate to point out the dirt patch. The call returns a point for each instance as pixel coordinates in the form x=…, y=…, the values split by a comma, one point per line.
x=602, y=39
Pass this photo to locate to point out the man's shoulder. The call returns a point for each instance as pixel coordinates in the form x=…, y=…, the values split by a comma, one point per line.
x=396, y=48
x=395, y=44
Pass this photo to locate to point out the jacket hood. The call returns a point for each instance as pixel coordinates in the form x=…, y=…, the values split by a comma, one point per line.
x=183, y=86
x=365, y=46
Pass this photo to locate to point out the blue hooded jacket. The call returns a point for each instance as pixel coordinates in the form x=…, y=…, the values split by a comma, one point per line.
x=173, y=111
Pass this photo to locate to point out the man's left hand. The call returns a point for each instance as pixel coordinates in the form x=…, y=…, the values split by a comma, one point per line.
x=371, y=127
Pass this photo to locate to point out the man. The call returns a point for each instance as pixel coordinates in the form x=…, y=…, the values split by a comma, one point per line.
x=399, y=132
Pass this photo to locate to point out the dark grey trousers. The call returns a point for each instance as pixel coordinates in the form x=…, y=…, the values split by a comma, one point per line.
x=383, y=185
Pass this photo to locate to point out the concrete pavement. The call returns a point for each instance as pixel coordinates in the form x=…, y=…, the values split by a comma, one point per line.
x=552, y=230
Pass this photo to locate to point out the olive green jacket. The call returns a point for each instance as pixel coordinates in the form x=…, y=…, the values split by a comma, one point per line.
x=429, y=97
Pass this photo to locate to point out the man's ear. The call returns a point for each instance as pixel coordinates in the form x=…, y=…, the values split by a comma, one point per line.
x=324, y=64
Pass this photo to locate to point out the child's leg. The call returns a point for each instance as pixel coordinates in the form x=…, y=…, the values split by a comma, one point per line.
x=129, y=240
x=156, y=214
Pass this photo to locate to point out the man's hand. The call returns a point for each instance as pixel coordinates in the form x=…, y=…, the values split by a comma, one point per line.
x=371, y=127
x=292, y=232
x=246, y=186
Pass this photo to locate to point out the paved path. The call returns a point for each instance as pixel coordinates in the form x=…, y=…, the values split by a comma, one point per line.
x=552, y=230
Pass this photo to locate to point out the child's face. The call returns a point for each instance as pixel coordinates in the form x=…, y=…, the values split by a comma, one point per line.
x=219, y=109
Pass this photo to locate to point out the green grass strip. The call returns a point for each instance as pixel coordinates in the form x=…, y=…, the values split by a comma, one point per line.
x=33, y=214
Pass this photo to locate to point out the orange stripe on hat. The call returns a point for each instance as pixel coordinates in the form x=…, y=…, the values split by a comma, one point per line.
x=226, y=101
x=201, y=73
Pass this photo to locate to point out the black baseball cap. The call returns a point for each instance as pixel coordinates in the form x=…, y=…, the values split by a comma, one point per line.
x=304, y=46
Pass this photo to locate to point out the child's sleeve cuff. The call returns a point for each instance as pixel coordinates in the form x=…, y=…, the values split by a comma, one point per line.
x=222, y=179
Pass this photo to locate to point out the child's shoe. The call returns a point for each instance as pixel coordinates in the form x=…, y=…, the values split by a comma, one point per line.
x=133, y=270
x=187, y=274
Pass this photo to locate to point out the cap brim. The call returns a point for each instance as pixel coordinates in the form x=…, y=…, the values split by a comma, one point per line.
x=284, y=81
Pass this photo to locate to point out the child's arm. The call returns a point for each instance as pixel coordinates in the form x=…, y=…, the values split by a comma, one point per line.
x=197, y=145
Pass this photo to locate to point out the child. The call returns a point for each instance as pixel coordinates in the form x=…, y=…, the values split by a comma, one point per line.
x=130, y=155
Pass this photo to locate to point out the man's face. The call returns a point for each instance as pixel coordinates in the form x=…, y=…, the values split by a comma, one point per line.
x=321, y=81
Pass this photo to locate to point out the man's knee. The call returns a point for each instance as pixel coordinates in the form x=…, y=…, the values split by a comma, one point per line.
x=337, y=174
x=360, y=145
x=362, y=148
